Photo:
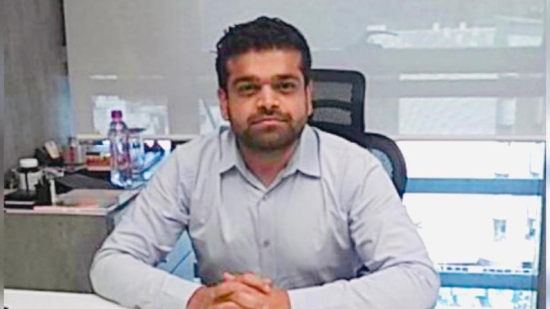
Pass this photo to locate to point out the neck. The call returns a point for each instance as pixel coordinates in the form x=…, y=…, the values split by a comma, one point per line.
x=267, y=165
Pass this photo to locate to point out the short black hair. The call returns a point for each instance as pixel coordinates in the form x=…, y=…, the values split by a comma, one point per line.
x=263, y=33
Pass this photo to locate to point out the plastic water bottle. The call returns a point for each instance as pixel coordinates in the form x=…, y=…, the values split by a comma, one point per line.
x=121, y=164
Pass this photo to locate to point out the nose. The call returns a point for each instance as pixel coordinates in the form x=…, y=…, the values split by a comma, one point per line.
x=268, y=98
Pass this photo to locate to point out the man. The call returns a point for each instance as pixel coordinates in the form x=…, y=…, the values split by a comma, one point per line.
x=281, y=215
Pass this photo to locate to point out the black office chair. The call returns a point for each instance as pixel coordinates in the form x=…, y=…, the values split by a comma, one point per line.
x=338, y=108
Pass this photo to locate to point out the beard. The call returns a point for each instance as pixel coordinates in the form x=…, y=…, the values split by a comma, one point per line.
x=269, y=138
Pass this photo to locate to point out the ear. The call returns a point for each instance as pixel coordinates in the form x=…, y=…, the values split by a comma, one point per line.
x=224, y=101
x=309, y=98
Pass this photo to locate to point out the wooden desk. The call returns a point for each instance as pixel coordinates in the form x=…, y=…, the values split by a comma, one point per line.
x=27, y=299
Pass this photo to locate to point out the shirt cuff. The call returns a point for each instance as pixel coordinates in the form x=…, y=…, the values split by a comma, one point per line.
x=176, y=292
x=319, y=297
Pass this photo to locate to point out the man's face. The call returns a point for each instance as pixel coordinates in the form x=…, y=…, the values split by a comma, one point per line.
x=267, y=101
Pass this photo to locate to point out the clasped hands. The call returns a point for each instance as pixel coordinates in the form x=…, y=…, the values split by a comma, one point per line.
x=240, y=291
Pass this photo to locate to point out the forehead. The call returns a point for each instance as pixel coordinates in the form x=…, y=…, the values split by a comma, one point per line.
x=265, y=64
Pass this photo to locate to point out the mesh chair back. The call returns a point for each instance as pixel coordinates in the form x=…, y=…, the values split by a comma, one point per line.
x=338, y=108
x=389, y=154
x=338, y=98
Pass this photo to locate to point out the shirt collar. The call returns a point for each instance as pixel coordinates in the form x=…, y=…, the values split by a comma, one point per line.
x=229, y=152
x=306, y=157
x=305, y=160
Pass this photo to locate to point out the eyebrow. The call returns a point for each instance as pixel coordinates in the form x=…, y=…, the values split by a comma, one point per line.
x=287, y=76
x=245, y=79
x=254, y=79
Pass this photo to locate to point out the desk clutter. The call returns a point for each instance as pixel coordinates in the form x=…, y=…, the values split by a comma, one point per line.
x=44, y=179
x=49, y=190
x=67, y=194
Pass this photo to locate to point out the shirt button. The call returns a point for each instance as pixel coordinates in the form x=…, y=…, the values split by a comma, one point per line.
x=266, y=243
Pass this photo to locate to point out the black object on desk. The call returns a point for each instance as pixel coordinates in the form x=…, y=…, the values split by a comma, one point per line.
x=20, y=199
x=26, y=199
x=80, y=181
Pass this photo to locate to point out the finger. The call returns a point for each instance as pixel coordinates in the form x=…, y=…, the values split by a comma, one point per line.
x=225, y=305
x=248, y=300
x=266, y=280
x=228, y=277
x=255, y=281
x=227, y=288
x=224, y=289
x=250, y=279
x=222, y=299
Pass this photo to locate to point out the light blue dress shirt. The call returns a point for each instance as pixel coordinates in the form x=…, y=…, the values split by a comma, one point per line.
x=330, y=229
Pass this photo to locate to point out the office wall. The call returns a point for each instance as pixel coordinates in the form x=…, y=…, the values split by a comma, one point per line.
x=140, y=56
x=37, y=106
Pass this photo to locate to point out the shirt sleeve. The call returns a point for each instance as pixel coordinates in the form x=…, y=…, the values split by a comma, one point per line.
x=399, y=272
x=122, y=269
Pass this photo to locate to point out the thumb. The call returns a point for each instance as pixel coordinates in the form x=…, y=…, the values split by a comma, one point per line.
x=228, y=277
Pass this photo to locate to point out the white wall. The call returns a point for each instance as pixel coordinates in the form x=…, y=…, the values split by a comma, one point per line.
x=452, y=69
x=150, y=47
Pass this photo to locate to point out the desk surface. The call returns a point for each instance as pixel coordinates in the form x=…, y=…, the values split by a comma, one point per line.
x=90, y=199
x=26, y=299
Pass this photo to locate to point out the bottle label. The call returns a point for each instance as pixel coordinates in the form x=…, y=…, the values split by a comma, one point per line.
x=120, y=161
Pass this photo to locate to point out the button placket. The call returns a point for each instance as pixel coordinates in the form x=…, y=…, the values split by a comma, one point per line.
x=264, y=238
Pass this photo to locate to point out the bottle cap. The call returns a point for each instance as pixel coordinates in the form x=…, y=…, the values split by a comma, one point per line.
x=116, y=114
x=28, y=163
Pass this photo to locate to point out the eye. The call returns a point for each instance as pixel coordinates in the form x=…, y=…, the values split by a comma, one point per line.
x=247, y=89
x=286, y=86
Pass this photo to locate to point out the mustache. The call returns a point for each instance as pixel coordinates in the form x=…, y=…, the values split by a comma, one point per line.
x=269, y=114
